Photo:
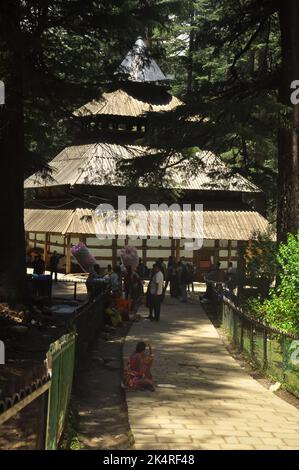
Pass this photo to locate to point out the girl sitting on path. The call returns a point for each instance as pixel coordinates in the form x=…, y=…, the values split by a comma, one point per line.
x=137, y=375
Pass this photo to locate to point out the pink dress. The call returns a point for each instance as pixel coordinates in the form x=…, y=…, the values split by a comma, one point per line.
x=138, y=368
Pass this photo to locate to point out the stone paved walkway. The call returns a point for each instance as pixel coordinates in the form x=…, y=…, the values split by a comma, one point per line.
x=215, y=404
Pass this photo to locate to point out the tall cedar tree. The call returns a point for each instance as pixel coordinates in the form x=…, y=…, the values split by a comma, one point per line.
x=288, y=139
x=25, y=29
x=12, y=258
x=246, y=115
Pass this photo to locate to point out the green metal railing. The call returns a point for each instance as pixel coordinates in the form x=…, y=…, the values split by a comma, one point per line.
x=61, y=357
x=274, y=352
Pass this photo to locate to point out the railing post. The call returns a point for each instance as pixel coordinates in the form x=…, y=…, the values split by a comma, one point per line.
x=43, y=421
x=75, y=291
x=285, y=357
x=61, y=360
x=265, y=348
x=242, y=334
x=251, y=340
x=220, y=311
x=234, y=327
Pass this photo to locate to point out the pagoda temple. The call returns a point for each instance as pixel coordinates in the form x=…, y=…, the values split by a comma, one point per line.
x=61, y=209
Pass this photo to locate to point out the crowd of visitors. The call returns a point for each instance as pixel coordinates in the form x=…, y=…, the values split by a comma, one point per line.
x=180, y=277
x=177, y=276
x=219, y=278
x=129, y=288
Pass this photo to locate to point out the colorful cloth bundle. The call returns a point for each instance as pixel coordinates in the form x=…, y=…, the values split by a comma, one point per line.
x=83, y=256
x=129, y=256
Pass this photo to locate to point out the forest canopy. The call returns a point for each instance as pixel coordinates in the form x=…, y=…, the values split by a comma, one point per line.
x=232, y=63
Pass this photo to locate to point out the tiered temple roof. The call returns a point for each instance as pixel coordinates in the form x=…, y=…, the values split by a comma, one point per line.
x=95, y=164
x=140, y=90
x=139, y=66
x=121, y=103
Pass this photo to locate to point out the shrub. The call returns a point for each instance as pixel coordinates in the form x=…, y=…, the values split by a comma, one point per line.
x=281, y=309
x=260, y=262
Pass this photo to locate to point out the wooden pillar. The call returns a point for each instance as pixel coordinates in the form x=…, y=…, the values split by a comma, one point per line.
x=46, y=247
x=241, y=247
x=229, y=250
x=27, y=243
x=172, y=247
x=34, y=239
x=177, y=249
x=114, y=252
x=64, y=245
x=68, y=255
x=144, y=251
x=216, y=257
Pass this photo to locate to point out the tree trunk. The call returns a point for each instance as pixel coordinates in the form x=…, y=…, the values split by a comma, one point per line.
x=12, y=255
x=288, y=138
x=190, y=54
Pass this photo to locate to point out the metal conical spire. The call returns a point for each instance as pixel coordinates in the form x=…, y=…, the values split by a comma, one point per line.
x=139, y=66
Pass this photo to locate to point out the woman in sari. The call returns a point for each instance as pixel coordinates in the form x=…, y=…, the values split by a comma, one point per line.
x=138, y=375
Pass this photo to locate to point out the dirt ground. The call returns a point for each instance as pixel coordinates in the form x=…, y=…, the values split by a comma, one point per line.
x=98, y=400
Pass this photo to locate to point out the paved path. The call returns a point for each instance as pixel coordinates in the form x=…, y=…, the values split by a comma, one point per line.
x=215, y=404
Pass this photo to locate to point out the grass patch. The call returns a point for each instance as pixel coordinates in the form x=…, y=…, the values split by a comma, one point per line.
x=70, y=439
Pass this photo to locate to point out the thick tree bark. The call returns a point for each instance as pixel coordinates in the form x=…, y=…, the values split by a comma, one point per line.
x=288, y=139
x=12, y=254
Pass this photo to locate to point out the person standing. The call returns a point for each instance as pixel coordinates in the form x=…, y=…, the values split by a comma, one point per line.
x=232, y=281
x=174, y=281
x=169, y=269
x=38, y=265
x=115, y=282
x=156, y=292
x=141, y=269
x=94, y=274
x=183, y=277
x=190, y=277
x=53, y=265
x=163, y=267
x=211, y=279
x=128, y=281
x=108, y=270
x=136, y=291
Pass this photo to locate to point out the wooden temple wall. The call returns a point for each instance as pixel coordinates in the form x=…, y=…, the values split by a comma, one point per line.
x=107, y=251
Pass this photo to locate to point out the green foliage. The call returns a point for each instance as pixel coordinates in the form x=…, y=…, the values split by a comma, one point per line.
x=224, y=58
x=260, y=262
x=281, y=309
x=70, y=51
x=70, y=439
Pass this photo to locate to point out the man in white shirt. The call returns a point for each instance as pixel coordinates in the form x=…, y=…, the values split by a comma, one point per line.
x=156, y=290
